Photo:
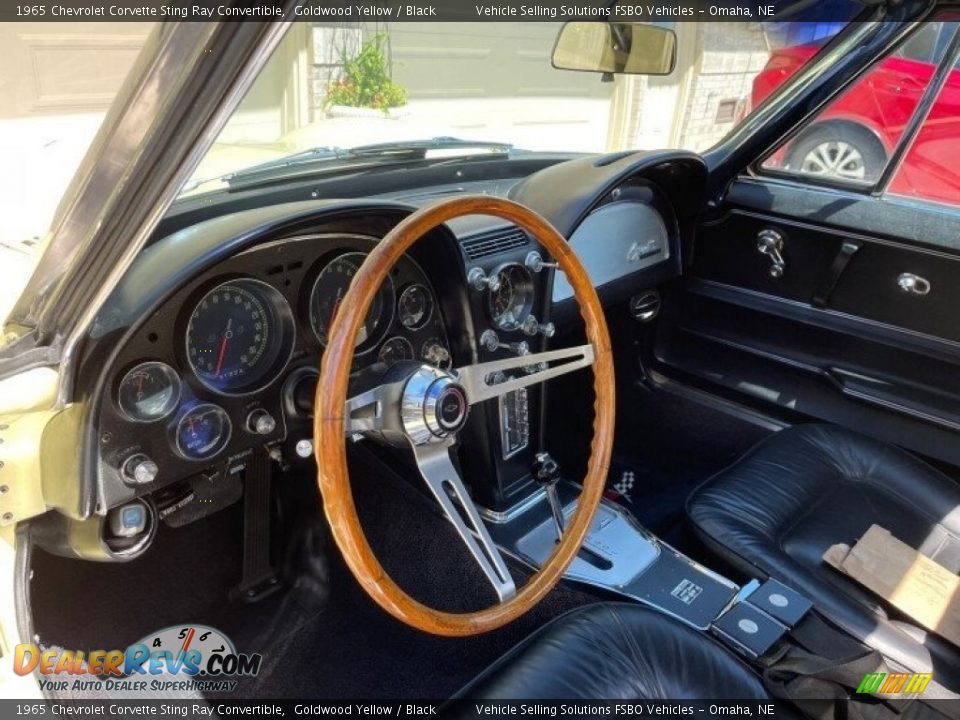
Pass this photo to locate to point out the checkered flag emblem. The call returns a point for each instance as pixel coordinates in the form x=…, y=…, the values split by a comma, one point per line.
x=624, y=485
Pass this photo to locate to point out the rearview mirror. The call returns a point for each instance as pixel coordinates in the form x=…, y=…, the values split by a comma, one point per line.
x=629, y=48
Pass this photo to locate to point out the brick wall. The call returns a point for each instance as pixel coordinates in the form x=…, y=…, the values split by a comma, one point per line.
x=731, y=54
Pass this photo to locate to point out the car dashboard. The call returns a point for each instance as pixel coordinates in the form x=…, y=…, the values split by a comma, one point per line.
x=206, y=358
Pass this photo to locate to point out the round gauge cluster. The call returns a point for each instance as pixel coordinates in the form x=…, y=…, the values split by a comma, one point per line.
x=398, y=322
x=202, y=431
x=328, y=292
x=512, y=300
x=239, y=335
x=150, y=391
x=415, y=306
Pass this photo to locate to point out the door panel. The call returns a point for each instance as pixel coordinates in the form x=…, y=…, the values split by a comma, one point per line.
x=835, y=338
x=866, y=286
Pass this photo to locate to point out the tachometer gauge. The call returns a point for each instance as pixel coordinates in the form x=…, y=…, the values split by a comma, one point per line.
x=512, y=301
x=328, y=292
x=203, y=431
x=435, y=353
x=395, y=349
x=149, y=391
x=415, y=306
x=239, y=336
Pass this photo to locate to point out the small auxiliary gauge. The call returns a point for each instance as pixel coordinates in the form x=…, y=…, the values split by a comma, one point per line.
x=150, y=391
x=203, y=431
x=414, y=307
x=395, y=349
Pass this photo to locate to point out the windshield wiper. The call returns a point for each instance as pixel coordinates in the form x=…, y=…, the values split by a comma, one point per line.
x=399, y=151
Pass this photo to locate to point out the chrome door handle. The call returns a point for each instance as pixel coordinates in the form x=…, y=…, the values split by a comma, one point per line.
x=770, y=243
x=910, y=283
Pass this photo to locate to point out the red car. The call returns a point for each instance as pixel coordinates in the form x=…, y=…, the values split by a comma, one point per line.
x=854, y=137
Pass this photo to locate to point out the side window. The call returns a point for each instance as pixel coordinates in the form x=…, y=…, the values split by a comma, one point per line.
x=851, y=140
x=930, y=168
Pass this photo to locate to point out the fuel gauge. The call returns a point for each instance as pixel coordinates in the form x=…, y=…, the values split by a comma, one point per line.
x=149, y=391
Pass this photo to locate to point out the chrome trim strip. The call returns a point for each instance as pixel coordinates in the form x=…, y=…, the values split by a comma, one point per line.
x=514, y=511
x=208, y=137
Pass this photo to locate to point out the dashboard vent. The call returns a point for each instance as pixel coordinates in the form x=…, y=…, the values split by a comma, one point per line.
x=493, y=242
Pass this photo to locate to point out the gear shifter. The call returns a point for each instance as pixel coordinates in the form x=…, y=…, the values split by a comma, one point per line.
x=546, y=471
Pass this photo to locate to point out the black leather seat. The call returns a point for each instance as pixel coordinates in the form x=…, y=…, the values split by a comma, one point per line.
x=614, y=651
x=775, y=512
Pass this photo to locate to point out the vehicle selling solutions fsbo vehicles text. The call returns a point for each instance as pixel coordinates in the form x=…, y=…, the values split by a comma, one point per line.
x=648, y=11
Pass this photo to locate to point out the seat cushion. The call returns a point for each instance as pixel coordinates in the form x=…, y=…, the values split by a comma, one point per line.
x=775, y=511
x=617, y=651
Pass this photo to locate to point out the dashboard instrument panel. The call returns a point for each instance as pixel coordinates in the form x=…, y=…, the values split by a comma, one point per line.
x=239, y=336
x=225, y=363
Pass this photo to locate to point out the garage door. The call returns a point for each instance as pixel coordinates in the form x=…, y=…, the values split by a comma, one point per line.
x=496, y=78
x=65, y=68
x=484, y=60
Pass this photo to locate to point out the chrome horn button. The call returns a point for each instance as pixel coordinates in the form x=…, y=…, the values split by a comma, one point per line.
x=434, y=405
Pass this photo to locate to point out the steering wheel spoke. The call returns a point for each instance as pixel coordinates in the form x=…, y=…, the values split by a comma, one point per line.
x=365, y=412
x=444, y=482
x=429, y=407
x=478, y=380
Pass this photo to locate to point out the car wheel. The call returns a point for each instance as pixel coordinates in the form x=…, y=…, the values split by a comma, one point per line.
x=838, y=152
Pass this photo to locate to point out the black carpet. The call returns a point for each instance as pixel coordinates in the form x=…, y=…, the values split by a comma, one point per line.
x=666, y=446
x=354, y=649
x=322, y=637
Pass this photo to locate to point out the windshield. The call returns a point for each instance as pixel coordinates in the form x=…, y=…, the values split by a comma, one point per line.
x=480, y=87
x=331, y=87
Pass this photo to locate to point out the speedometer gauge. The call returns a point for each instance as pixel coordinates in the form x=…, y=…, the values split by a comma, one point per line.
x=512, y=301
x=328, y=292
x=239, y=336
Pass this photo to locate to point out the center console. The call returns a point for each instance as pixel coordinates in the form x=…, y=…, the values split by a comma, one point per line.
x=621, y=557
x=517, y=487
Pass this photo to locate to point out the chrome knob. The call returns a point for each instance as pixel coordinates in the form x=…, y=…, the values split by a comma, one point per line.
x=548, y=329
x=481, y=281
x=534, y=262
x=531, y=325
x=546, y=472
x=490, y=341
x=304, y=448
x=260, y=422
x=437, y=355
x=139, y=470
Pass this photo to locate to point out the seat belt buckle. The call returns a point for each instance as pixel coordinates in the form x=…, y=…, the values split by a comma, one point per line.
x=750, y=631
x=780, y=602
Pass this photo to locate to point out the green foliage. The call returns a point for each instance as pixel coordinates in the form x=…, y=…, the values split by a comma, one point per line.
x=365, y=81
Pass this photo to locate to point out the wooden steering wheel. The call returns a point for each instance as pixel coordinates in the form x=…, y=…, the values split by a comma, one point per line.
x=427, y=406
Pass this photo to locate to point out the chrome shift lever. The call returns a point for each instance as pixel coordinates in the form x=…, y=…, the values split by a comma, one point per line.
x=546, y=472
